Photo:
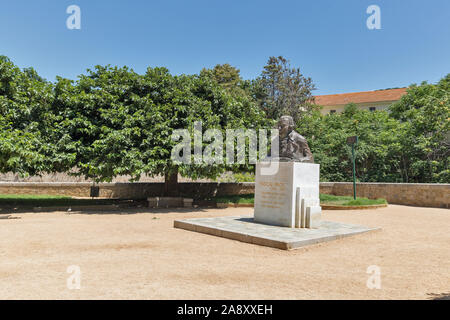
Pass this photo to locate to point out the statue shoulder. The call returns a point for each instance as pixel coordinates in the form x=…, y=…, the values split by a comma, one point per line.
x=294, y=135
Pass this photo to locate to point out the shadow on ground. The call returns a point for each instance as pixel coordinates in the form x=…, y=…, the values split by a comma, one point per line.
x=6, y=212
x=439, y=296
x=125, y=211
x=7, y=217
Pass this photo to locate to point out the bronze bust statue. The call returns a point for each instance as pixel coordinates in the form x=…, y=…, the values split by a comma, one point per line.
x=293, y=146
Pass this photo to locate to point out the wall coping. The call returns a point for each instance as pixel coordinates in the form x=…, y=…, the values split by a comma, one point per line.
x=388, y=183
x=105, y=184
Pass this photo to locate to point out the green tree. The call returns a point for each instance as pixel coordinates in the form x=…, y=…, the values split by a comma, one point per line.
x=282, y=89
x=114, y=121
x=25, y=98
x=229, y=78
x=377, y=152
x=426, y=146
x=225, y=75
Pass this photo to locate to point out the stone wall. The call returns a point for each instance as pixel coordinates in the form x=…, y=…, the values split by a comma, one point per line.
x=424, y=195
x=127, y=190
x=414, y=194
x=74, y=189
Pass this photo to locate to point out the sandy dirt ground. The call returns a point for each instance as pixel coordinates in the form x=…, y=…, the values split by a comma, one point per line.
x=139, y=255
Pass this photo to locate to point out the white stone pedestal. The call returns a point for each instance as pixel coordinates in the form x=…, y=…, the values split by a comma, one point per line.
x=289, y=197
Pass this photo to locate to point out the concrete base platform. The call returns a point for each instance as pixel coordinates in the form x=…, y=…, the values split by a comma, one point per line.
x=244, y=229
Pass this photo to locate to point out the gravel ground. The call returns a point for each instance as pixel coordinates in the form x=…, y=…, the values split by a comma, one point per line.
x=139, y=255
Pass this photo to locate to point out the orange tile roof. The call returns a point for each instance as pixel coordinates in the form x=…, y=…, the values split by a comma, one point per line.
x=360, y=97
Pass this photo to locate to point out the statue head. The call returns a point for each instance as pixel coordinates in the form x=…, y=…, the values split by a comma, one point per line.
x=285, y=125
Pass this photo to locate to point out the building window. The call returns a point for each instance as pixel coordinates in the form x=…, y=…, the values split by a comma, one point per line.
x=332, y=111
x=373, y=108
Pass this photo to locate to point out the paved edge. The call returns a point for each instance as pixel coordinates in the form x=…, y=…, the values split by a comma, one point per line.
x=181, y=224
x=231, y=235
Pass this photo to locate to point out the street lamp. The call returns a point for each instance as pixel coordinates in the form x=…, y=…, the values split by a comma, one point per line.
x=353, y=141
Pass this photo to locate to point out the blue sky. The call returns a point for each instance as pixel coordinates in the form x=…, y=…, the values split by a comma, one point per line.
x=327, y=39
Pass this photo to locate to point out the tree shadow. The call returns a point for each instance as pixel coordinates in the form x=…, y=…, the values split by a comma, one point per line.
x=128, y=211
x=119, y=210
x=439, y=296
x=8, y=217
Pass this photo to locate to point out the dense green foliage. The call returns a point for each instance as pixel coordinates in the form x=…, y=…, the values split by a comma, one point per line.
x=377, y=152
x=113, y=121
x=282, y=89
x=411, y=143
x=24, y=103
x=426, y=139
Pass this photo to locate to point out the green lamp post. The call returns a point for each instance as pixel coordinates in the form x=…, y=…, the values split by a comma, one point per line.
x=353, y=141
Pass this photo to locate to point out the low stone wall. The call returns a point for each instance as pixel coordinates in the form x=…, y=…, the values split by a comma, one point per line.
x=413, y=194
x=196, y=190
x=74, y=189
x=421, y=194
x=128, y=190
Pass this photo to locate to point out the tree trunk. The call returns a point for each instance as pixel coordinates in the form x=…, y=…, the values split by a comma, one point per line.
x=171, y=184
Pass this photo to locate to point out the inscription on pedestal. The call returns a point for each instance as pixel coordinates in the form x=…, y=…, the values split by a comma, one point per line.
x=273, y=194
x=276, y=195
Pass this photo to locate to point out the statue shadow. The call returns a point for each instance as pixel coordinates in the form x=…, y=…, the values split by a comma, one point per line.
x=252, y=221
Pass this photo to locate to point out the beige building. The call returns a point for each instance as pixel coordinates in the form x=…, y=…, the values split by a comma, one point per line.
x=368, y=100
